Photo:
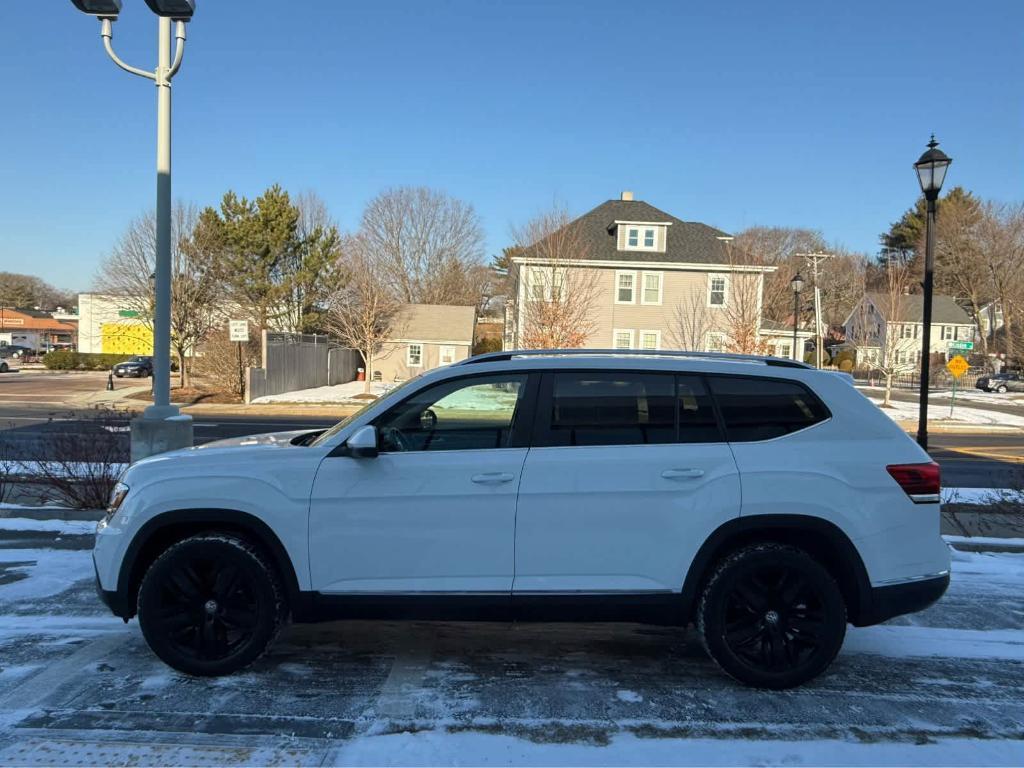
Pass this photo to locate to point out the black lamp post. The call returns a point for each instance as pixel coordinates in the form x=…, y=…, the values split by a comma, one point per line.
x=797, y=284
x=931, y=171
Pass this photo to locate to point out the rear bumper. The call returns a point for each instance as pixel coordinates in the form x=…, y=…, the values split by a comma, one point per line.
x=897, y=599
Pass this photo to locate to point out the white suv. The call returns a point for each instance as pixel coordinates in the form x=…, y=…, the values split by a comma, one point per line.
x=764, y=501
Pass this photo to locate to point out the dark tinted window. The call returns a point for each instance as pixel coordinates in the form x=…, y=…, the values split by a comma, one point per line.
x=697, y=420
x=455, y=415
x=599, y=408
x=626, y=408
x=760, y=409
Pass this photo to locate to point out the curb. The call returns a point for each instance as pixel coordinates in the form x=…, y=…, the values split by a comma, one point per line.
x=51, y=513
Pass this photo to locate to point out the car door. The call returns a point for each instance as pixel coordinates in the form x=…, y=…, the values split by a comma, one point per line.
x=627, y=477
x=435, y=510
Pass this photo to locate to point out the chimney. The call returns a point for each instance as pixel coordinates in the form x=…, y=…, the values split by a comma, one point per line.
x=626, y=195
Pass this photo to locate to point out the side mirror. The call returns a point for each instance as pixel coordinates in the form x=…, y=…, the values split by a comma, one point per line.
x=363, y=443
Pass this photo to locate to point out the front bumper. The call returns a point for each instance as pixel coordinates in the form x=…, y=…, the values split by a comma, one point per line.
x=116, y=602
x=897, y=599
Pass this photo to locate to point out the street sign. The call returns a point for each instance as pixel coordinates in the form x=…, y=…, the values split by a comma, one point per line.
x=965, y=345
x=238, y=330
x=957, y=366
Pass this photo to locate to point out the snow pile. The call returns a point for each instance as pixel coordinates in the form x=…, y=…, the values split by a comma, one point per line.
x=981, y=496
x=63, y=527
x=46, y=572
x=901, y=411
x=350, y=392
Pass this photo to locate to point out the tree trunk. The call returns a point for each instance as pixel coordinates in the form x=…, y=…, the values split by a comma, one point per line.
x=887, y=402
x=368, y=360
x=1008, y=329
x=183, y=377
x=976, y=310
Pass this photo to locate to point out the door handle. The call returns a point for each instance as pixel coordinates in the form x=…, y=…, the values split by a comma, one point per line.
x=493, y=478
x=682, y=474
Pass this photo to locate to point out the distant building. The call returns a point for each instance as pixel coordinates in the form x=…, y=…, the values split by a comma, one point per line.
x=425, y=336
x=875, y=319
x=112, y=325
x=34, y=329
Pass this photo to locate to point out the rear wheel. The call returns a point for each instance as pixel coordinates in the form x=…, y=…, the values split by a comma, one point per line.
x=771, y=616
x=210, y=604
x=1001, y=389
x=3, y=367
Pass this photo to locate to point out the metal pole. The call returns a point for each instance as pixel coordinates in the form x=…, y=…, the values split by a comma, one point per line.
x=796, y=313
x=162, y=408
x=817, y=319
x=926, y=341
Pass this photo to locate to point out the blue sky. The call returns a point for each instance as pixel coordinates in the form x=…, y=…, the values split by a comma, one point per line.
x=732, y=113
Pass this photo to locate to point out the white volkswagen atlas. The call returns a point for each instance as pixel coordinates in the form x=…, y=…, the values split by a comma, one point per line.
x=763, y=501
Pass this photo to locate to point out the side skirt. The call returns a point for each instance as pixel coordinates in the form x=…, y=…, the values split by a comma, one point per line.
x=661, y=608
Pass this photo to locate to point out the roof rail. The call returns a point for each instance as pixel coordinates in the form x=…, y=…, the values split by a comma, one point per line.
x=492, y=357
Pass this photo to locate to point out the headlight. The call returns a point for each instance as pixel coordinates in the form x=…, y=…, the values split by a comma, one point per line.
x=116, y=498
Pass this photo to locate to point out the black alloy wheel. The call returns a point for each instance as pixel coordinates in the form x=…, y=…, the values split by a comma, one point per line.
x=210, y=605
x=772, y=617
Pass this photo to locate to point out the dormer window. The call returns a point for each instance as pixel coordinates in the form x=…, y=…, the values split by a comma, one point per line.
x=640, y=236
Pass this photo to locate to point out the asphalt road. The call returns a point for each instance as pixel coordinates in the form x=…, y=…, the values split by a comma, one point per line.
x=78, y=687
x=974, y=461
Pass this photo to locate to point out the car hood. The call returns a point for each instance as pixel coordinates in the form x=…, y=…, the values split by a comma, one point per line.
x=233, y=446
x=279, y=439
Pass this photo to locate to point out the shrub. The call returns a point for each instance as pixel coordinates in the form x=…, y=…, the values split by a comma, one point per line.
x=490, y=344
x=66, y=360
x=846, y=365
x=218, y=361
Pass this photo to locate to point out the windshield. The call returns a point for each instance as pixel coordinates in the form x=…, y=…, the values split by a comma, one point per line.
x=138, y=359
x=349, y=419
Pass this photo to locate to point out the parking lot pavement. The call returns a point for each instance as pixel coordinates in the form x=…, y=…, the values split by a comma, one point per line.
x=78, y=686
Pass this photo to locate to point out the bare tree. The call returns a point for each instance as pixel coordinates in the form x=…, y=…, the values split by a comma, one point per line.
x=312, y=268
x=556, y=308
x=195, y=289
x=742, y=309
x=779, y=247
x=1002, y=243
x=691, y=321
x=363, y=312
x=878, y=333
x=424, y=245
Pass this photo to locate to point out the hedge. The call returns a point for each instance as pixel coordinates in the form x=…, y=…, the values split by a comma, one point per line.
x=66, y=360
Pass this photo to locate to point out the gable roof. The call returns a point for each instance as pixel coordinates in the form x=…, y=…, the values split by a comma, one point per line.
x=31, y=320
x=911, y=308
x=435, y=322
x=687, y=242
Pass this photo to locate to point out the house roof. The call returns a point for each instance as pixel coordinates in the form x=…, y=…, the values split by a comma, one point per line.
x=911, y=309
x=688, y=242
x=435, y=322
x=31, y=320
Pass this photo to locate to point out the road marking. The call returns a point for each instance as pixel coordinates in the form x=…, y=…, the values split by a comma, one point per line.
x=995, y=452
x=413, y=656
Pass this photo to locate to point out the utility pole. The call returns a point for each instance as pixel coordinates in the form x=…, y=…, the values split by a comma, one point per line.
x=813, y=260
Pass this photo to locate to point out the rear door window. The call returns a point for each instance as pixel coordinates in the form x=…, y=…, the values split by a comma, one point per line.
x=625, y=408
x=761, y=409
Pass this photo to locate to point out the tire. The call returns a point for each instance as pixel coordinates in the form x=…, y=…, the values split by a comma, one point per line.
x=4, y=368
x=211, y=605
x=771, y=616
x=1001, y=389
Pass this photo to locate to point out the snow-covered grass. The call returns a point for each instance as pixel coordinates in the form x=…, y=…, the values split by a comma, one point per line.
x=902, y=411
x=68, y=469
x=350, y=392
x=967, y=394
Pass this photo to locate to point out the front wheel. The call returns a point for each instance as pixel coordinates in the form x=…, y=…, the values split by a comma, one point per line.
x=771, y=616
x=211, y=604
x=1001, y=389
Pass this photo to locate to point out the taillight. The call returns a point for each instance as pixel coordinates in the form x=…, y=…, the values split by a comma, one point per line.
x=919, y=481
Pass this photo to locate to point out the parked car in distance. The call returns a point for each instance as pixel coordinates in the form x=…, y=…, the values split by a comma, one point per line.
x=139, y=366
x=1001, y=382
x=669, y=488
x=16, y=351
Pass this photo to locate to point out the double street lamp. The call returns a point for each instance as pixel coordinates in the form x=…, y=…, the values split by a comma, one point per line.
x=797, y=284
x=161, y=427
x=931, y=171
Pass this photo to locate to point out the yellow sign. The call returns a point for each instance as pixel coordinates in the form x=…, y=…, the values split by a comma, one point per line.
x=126, y=339
x=958, y=366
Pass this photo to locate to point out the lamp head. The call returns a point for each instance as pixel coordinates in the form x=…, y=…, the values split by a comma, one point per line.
x=179, y=10
x=104, y=9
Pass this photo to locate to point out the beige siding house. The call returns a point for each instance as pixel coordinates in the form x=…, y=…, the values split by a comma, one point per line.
x=657, y=282
x=424, y=336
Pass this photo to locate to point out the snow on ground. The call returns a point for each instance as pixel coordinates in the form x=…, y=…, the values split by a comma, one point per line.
x=968, y=394
x=939, y=414
x=981, y=495
x=65, y=469
x=68, y=527
x=77, y=686
x=350, y=392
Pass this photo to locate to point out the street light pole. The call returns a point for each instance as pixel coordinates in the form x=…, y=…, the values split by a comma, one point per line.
x=797, y=284
x=931, y=171
x=161, y=427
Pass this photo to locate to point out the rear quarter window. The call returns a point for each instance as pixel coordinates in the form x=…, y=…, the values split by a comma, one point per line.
x=761, y=409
